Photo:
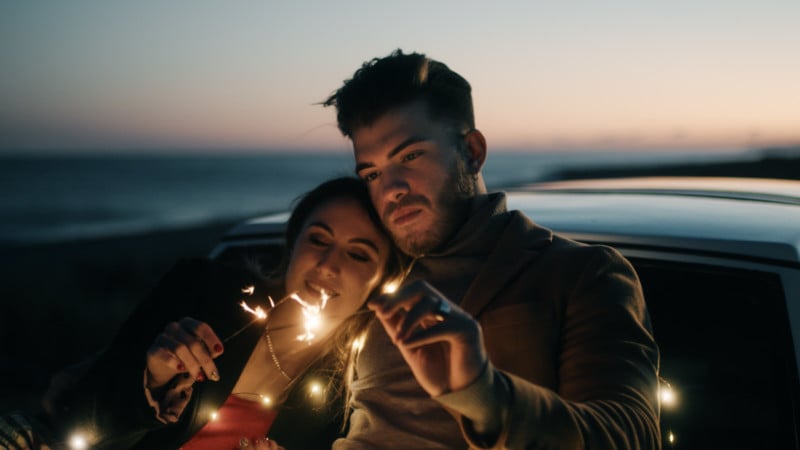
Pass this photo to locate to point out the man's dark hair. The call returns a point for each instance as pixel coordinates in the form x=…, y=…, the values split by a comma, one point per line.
x=396, y=80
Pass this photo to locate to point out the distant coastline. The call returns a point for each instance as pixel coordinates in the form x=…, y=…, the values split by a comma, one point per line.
x=781, y=163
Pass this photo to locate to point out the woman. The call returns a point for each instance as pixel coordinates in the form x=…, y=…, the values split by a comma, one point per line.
x=203, y=380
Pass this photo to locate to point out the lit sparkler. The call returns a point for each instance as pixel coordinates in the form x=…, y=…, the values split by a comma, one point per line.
x=312, y=314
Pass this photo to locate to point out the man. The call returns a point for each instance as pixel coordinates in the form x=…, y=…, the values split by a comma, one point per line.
x=504, y=334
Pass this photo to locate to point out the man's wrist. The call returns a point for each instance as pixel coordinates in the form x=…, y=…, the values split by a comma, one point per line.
x=483, y=403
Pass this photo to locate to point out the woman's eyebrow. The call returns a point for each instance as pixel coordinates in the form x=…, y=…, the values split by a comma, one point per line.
x=366, y=242
x=321, y=225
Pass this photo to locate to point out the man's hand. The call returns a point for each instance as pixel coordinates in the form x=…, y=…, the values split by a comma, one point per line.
x=441, y=343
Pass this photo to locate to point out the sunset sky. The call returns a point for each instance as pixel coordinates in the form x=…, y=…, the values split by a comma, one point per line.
x=245, y=75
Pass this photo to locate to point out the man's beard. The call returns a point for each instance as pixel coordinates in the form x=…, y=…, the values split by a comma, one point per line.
x=451, y=208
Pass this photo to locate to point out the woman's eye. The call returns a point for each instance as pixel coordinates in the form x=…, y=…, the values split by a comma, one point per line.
x=316, y=240
x=359, y=257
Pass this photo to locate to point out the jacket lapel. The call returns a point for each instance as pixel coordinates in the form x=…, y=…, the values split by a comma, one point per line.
x=519, y=244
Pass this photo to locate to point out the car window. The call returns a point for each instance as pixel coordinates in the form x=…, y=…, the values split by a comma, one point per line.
x=726, y=351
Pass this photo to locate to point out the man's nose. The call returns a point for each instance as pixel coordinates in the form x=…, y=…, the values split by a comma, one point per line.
x=328, y=264
x=395, y=185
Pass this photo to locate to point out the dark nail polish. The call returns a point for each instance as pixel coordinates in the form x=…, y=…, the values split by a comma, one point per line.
x=200, y=377
x=181, y=367
x=218, y=348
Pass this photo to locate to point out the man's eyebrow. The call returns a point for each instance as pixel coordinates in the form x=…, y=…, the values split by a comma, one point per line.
x=397, y=149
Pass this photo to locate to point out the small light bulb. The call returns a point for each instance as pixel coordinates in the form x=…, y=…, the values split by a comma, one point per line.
x=266, y=400
x=78, y=442
x=315, y=388
x=214, y=415
x=671, y=437
x=390, y=287
x=358, y=343
x=667, y=395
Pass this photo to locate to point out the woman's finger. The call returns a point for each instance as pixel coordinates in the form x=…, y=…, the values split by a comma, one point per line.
x=162, y=362
x=187, y=348
x=205, y=345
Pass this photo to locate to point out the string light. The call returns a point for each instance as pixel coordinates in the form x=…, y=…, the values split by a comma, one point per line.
x=78, y=442
x=214, y=415
x=666, y=394
x=358, y=343
x=391, y=287
x=266, y=400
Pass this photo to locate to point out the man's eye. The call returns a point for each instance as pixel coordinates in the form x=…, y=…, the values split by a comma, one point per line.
x=412, y=156
x=370, y=177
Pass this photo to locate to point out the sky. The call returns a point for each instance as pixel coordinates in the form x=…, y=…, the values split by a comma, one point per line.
x=114, y=76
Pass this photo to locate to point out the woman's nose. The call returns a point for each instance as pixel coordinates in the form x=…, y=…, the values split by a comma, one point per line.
x=328, y=264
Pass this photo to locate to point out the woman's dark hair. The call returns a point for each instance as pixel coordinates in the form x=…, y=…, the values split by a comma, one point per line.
x=396, y=80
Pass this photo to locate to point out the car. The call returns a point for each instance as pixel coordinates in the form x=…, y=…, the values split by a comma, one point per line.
x=719, y=262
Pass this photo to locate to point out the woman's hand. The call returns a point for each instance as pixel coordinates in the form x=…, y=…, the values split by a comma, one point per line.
x=187, y=346
x=181, y=355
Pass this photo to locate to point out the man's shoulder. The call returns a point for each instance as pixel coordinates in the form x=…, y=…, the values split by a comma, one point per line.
x=554, y=245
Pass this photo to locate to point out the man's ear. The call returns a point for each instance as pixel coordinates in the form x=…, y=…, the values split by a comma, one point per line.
x=476, y=150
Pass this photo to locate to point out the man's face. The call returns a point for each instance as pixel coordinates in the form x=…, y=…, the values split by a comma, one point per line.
x=416, y=176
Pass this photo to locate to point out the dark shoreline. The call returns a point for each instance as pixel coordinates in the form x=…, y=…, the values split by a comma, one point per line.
x=767, y=166
x=63, y=301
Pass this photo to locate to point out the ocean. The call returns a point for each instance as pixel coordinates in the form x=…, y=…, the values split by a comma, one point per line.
x=63, y=198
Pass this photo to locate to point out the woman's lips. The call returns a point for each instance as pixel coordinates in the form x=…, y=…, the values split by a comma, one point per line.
x=320, y=290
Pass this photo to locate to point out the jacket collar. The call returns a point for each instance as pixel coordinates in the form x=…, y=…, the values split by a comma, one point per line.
x=520, y=242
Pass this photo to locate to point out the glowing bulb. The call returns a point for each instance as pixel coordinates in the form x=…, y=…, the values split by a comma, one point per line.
x=214, y=415
x=248, y=290
x=266, y=400
x=315, y=388
x=391, y=287
x=78, y=442
x=358, y=343
x=667, y=395
x=671, y=437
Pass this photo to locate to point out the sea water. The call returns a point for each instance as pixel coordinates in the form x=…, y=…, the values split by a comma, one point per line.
x=60, y=198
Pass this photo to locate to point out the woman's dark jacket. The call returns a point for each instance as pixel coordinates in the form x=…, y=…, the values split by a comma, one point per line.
x=108, y=403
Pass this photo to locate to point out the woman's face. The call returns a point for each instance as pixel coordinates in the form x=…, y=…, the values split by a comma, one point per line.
x=339, y=252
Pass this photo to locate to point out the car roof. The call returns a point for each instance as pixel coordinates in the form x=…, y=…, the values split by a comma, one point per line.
x=749, y=218
x=757, y=218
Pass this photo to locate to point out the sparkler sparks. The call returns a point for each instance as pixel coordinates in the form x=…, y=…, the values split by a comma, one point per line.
x=258, y=312
x=312, y=314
